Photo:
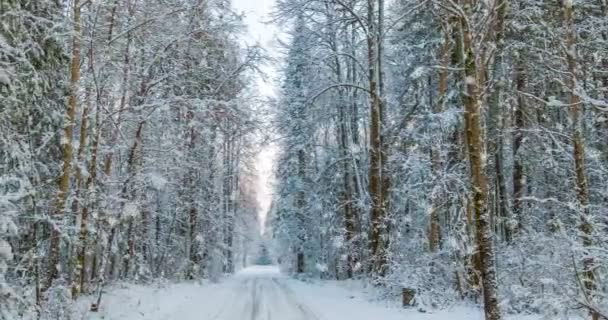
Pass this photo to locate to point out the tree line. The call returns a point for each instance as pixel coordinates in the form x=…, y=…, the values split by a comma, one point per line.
x=453, y=148
x=128, y=132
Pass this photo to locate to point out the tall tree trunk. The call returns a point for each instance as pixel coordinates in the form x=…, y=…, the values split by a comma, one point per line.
x=84, y=122
x=347, y=193
x=108, y=162
x=68, y=132
x=378, y=182
x=477, y=162
x=300, y=204
x=236, y=162
x=578, y=141
x=352, y=126
x=211, y=199
x=436, y=160
x=228, y=193
x=519, y=181
x=193, y=210
x=347, y=196
x=79, y=277
x=496, y=125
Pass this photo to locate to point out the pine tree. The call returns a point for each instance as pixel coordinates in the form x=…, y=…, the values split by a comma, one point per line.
x=31, y=95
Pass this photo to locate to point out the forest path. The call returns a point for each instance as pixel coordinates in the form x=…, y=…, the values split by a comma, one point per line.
x=263, y=293
x=255, y=293
x=259, y=293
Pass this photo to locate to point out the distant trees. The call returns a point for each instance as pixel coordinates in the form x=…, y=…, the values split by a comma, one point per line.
x=150, y=176
x=483, y=134
x=294, y=124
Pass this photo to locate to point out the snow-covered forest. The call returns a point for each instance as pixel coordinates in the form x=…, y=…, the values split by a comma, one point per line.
x=127, y=140
x=440, y=153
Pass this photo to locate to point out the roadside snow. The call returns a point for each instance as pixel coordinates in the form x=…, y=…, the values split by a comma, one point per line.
x=134, y=302
x=337, y=301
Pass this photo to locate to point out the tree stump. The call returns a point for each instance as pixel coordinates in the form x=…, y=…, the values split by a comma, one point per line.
x=408, y=297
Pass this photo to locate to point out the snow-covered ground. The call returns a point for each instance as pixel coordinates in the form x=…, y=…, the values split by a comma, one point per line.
x=256, y=293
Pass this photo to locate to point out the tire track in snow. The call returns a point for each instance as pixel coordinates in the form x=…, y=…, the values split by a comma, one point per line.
x=255, y=298
x=260, y=298
x=290, y=297
x=230, y=301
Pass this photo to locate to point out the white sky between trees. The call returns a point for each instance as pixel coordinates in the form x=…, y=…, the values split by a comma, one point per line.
x=256, y=13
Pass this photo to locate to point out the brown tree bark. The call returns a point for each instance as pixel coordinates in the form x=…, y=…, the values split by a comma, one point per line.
x=495, y=140
x=471, y=97
x=229, y=192
x=347, y=202
x=126, y=195
x=378, y=180
x=352, y=127
x=79, y=274
x=300, y=204
x=185, y=192
x=193, y=212
x=436, y=160
x=68, y=132
x=578, y=142
x=519, y=181
x=83, y=136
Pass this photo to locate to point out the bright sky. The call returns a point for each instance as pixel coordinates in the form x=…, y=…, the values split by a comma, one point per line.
x=256, y=13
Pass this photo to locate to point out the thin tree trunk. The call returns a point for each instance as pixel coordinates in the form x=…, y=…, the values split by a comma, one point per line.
x=235, y=197
x=126, y=67
x=377, y=181
x=192, y=212
x=80, y=153
x=496, y=126
x=301, y=201
x=347, y=193
x=78, y=285
x=521, y=80
x=436, y=160
x=353, y=128
x=227, y=195
x=105, y=257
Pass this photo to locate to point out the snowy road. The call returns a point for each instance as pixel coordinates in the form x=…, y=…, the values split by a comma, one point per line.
x=261, y=293
x=258, y=293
